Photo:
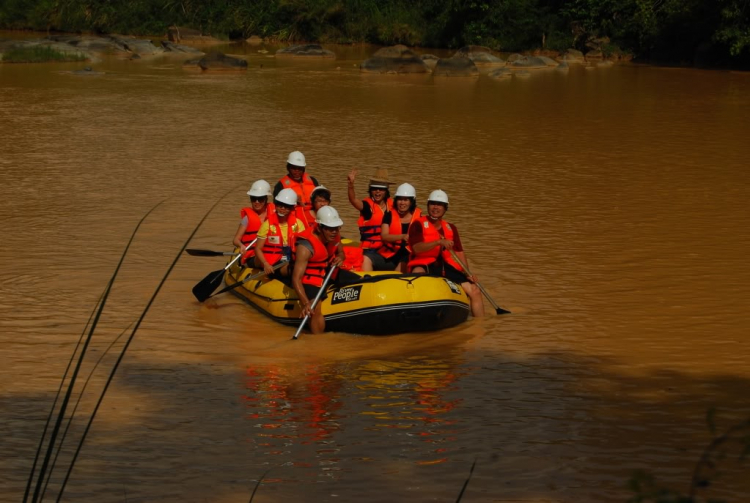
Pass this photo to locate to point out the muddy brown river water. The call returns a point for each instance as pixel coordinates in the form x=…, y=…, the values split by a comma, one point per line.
x=607, y=208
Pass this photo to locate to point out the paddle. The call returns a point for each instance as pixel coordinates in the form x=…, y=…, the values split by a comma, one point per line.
x=207, y=253
x=498, y=310
x=315, y=301
x=205, y=287
x=249, y=278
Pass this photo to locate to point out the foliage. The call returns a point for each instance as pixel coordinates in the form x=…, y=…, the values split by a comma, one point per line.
x=671, y=30
x=706, y=471
x=39, y=54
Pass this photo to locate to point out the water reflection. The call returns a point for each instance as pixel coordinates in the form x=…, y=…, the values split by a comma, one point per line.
x=311, y=405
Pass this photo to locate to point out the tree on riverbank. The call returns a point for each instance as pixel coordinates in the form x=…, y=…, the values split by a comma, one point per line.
x=713, y=32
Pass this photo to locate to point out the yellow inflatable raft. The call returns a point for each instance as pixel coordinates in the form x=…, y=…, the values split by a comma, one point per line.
x=382, y=303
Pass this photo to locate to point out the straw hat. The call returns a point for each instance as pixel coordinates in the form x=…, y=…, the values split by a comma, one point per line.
x=380, y=178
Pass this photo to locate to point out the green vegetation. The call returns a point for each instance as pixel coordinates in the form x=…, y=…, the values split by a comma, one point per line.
x=39, y=54
x=716, y=32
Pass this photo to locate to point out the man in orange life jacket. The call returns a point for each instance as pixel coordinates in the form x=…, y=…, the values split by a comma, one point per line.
x=276, y=235
x=301, y=183
x=253, y=217
x=431, y=238
x=371, y=212
x=315, y=251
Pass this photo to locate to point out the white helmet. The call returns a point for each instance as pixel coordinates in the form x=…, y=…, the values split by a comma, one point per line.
x=296, y=158
x=260, y=188
x=405, y=190
x=287, y=196
x=328, y=216
x=438, y=196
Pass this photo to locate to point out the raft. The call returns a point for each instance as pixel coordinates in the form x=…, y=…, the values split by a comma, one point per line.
x=380, y=303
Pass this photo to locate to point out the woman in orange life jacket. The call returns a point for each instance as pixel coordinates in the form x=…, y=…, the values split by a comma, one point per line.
x=431, y=238
x=276, y=235
x=371, y=211
x=320, y=197
x=253, y=217
x=302, y=183
x=395, y=227
x=315, y=251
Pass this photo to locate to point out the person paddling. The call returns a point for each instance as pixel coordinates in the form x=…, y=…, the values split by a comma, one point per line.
x=301, y=183
x=431, y=239
x=371, y=212
x=253, y=217
x=394, y=230
x=316, y=250
x=276, y=235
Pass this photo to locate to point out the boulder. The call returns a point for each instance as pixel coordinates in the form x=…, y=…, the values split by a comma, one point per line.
x=500, y=73
x=573, y=56
x=179, y=48
x=395, y=59
x=430, y=60
x=528, y=62
x=189, y=36
x=305, y=51
x=563, y=67
x=548, y=61
x=178, y=34
x=254, y=40
x=594, y=56
x=141, y=47
x=220, y=61
x=479, y=55
x=456, y=66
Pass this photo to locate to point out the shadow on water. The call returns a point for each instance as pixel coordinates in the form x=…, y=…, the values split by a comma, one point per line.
x=554, y=427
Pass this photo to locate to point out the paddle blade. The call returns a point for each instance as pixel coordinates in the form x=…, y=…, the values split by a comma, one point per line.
x=206, y=253
x=500, y=310
x=205, y=287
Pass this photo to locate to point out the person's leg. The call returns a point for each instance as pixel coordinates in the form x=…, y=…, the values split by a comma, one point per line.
x=317, y=321
x=475, y=299
x=366, y=263
x=418, y=269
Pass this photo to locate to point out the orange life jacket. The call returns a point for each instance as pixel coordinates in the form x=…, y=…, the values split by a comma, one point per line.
x=315, y=272
x=304, y=200
x=253, y=225
x=389, y=248
x=273, y=248
x=369, y=230
x=430, y=233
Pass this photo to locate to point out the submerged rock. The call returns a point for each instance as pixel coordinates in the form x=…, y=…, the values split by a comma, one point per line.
x=305, y=51
x=397, y=59
x=479, y=55
x=500, y=73
x=220, y=61
x=430, y=60
x=456, y=66
x=179, y=48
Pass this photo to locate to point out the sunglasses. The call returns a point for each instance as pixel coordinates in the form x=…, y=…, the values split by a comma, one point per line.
x=284, y=206
x=257, y=199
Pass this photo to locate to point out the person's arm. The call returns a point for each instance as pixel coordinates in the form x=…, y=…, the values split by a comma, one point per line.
x=237, y=241
x=340, y=256
x=419, y=245
x=351, y=192
x=300, y=264
x=314, y=181
x=262, y=236
x=276, y=189
x=385, y=229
